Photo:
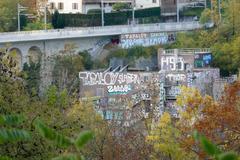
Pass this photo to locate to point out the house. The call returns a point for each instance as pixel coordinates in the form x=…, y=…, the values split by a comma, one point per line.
x=140, y=4
x=66, y=6
x=96, y=4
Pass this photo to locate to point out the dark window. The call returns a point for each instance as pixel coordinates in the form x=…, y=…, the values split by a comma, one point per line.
x=52, y=5
x=60, y=5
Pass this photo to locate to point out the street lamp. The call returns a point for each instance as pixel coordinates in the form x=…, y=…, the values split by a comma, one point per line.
x=133, y=12
x=45, y=8
x=19, y=9
x=177, y=10
x=102, y=7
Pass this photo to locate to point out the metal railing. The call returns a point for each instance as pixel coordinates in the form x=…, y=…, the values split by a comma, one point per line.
x=187, y=51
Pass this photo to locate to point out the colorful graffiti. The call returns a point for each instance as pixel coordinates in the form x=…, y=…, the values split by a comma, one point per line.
x=202, y=60
x=146, y=39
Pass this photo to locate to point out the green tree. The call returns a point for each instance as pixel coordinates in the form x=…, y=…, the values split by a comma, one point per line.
x=120, y=6
x=164, y=138
x=8, y=15
x=32, y=77
x=52, y=96
x=37, y=25
x=205, y=16
x=63, y=141
x=57, y=20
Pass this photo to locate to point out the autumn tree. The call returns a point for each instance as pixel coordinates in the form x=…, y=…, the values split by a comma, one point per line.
x=217, y=120
x=164, y=138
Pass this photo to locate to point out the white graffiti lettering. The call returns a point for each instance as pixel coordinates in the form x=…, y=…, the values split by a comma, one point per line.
x=176, y=77
x=119, y=89
x=108, y=78
x=172, y=63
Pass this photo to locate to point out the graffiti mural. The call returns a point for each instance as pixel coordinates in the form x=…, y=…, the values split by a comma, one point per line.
x=202, y=60
x=146, y=39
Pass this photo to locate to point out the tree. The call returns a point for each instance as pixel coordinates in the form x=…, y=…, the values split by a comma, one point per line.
x=205, y=16
x=8, y=134
x=63, y=141
x=217, y=120
x=120, y=6
x=231, y=11
x=37, y=25
x=164, y=138
x=57, y=20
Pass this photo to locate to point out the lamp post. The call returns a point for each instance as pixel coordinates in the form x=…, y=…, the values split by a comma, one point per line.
x=45, y=17
x=102, y=7
x=177, y=10
x=19, y=9
x=133, y=12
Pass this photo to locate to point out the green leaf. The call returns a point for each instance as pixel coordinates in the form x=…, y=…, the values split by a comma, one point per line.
x=83, y=138
x=11, y=119
x=5, y=158
x=66, y=157
x=50, y=134
x=196, y=135
x=208, y=147
x=13, y=135
x=227, y=156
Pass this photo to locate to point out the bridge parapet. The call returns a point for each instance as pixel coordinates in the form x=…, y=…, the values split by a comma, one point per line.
x=69, y=33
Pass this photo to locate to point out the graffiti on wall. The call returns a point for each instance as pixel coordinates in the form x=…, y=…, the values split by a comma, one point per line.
x=108, y=78
x=119, y=89
x=176, y=77
x=172, y=63
x=202, y=60
x=146, y=39
x=173, y=91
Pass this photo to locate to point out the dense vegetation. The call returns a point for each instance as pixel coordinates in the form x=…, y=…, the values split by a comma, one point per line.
x=59, y=124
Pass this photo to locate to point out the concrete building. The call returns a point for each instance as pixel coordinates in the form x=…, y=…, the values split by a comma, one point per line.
x=66, y=6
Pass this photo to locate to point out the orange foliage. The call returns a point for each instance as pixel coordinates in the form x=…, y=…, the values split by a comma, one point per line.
x=219, y=121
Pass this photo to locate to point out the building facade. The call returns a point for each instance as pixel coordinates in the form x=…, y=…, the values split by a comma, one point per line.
x=139, y=4
x=66, y=6
x=107, y=4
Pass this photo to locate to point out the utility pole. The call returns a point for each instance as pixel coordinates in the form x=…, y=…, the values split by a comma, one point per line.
x=19, y=9
x=133, y=12
x=18, y=13
x=45, y=17
x=178, y=11
x=102, y=6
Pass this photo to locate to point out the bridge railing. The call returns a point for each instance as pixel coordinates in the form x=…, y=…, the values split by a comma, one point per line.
x=172, y=25
x=96, y=31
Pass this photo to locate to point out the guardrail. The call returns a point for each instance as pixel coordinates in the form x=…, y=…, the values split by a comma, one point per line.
x=96, y=31
x=187, y=50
